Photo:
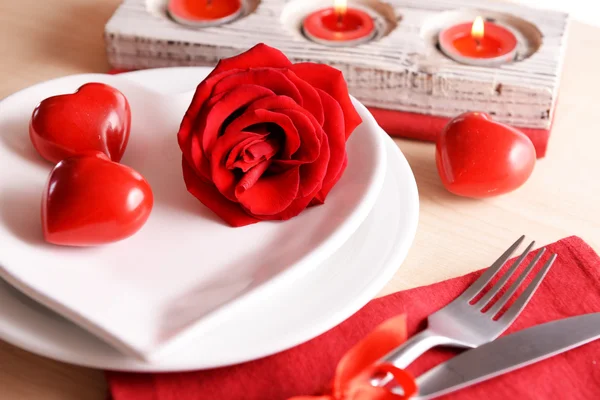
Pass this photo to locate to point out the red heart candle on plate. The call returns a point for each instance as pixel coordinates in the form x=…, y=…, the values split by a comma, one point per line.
x=95, y=118
x=90, y=200
x=479, y=157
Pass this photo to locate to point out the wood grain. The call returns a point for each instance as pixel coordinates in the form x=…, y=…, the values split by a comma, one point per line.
x=43, y=40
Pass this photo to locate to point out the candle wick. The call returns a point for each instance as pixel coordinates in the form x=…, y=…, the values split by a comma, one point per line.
x=340, y=18
x=208, y=3
x=477, y=43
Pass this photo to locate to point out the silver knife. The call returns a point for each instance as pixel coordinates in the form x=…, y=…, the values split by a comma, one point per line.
x=508, y=353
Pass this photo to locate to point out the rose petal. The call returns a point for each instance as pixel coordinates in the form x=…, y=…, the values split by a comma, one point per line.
x=320, y=197
x=202, y=94
x=225, y=179
x=306, y=125
x=250, y=178
x=265, y=149
x=196, y=157
x=199, y=160
x=312, y=174
x=208, y=195
x=254, y=117
x=259, y=56
x=259, y=128
x=311, y=100
x=272, y=79
x=271, y=194
x=196, y=143
x=295, y=208
x=310, y=134
x=276, y=102
x=186, y=129
x=331, y=81
x=254, y=153
x=214, y=117
x=334, y=128
x=238, y=150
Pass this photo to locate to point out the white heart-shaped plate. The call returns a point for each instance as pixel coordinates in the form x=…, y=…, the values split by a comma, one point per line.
x=185, y=270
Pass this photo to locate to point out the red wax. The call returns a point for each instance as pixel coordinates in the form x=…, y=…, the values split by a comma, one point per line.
x=496, y=42
x=203, y=10
x=328, y=25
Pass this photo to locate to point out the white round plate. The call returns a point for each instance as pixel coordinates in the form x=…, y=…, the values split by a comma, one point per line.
x=273, y=318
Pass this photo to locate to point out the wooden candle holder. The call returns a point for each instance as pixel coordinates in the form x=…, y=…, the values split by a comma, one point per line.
x=411, y=87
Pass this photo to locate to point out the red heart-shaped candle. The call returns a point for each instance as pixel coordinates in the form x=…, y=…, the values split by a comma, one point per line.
x=95, y=118
x=90, y=200
x=478, y=157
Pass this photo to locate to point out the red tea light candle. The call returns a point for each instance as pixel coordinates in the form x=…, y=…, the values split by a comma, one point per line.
x=204, y=13
x=481, y=43
x=339, y=25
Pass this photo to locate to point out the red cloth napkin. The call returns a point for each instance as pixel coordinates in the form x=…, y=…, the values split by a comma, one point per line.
x=572, y=287
x=427, y=127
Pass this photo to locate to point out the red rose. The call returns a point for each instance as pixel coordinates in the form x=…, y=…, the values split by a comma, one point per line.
x=264, y=138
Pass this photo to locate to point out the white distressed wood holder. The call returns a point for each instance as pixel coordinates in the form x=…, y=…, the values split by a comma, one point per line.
x=400, y=70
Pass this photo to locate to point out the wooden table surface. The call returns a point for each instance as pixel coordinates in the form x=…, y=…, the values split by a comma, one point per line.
x=40, y=40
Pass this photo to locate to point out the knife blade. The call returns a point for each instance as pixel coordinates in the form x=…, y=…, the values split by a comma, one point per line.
x=508, y=353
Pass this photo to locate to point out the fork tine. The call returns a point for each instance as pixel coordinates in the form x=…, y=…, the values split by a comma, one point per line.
x=496, y=288
x=506, y=296
x=487, y=276
x=513, y=312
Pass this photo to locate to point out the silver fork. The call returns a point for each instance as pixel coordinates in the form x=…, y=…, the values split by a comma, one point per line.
x=461, y=324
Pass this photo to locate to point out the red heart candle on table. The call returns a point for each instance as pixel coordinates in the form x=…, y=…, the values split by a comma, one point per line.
x=481, y=43
x=204, y=13
x=339, y=25
x=479, y=157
